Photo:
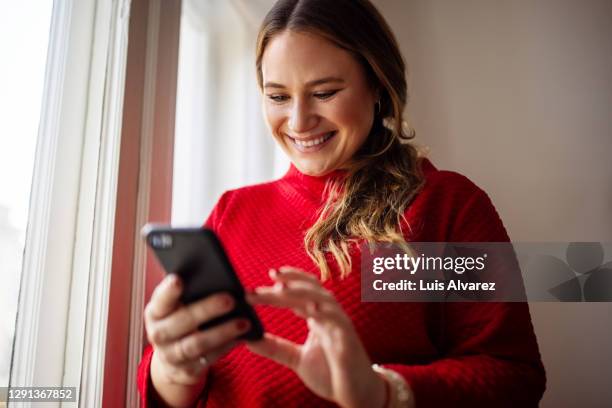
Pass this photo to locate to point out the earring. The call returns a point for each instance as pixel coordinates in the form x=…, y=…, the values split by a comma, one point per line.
x=377, y=107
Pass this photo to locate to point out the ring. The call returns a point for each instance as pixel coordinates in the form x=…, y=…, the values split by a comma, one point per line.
x=203, y=361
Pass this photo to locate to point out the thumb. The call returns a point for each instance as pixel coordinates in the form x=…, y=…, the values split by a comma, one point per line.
x=277, y=349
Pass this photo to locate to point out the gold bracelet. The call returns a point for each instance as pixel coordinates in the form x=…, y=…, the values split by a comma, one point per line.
x=401, y=395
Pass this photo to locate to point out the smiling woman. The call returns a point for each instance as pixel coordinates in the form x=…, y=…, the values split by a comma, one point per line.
x=333, y=93
x=310, y=106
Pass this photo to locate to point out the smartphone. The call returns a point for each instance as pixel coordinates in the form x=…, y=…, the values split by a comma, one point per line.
x=198, y=258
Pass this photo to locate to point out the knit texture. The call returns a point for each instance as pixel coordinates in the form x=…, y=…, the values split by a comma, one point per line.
x=451, y=354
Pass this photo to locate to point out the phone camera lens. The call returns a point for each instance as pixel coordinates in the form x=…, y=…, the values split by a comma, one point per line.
x=161, y=241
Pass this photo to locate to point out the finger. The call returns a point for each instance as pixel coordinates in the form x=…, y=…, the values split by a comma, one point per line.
x=297, y=278
x=165, y=298
x=195, y=367
x=296, y=305
x=277, y=349
x=292, y=295
x=191, y=369
x=203, y=342
x=210, y=357
x=289, y=273
x=304, y=301
x=187, y=319
x=213, y=356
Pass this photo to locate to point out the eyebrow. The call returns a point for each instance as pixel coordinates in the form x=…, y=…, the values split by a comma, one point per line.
x=308, y=84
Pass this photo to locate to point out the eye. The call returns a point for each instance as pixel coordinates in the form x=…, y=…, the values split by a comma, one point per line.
x=278, y=98
x=325, y=95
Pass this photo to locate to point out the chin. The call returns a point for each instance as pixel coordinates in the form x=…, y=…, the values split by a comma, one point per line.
x=313, y=169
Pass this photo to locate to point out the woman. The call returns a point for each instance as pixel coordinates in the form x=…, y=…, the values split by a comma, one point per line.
x=333, y=87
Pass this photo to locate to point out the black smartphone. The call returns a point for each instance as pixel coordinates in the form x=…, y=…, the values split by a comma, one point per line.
x=197, y=256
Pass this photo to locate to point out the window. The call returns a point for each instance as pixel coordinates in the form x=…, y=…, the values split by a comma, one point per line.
x=221, y=140
x=60, y=329
x=24, y=37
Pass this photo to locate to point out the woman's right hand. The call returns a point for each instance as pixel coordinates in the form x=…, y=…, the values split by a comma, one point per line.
x=182, y=353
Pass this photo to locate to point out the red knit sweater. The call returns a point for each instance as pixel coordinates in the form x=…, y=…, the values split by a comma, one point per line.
x=451, y=354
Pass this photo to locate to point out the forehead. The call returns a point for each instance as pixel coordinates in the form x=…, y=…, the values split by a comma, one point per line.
x=292, y=58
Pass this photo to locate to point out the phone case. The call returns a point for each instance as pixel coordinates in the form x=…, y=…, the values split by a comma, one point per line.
x=198, y=257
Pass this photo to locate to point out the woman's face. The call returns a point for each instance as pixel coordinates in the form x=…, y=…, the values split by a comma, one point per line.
x=317, y=101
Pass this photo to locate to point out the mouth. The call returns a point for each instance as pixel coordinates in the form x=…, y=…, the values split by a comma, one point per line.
x=314, y=144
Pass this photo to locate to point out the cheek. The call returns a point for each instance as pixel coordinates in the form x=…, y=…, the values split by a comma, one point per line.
x=354, y=118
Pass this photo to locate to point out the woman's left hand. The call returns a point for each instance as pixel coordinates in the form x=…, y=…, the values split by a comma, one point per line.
x=332, y=362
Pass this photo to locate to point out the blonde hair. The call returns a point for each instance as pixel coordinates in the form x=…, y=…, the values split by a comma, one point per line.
x=383, y=176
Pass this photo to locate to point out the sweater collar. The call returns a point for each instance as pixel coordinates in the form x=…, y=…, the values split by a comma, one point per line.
x=315, y=185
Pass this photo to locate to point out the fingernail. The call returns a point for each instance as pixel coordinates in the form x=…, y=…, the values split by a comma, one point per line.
x=242, y=325
x=227, y=301
x=172, y=280
x=272, y=273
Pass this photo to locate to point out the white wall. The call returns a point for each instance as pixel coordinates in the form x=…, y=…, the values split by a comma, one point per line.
x=517, y=95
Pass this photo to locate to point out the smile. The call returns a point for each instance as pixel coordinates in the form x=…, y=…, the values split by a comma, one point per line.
x=313, y=144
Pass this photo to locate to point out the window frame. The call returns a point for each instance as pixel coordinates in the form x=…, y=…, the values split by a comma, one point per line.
x=103, y=168
x=63, y=321
x=144, y=188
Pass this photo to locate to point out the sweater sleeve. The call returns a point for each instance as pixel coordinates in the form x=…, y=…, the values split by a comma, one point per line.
x=489, y=352
x=145, y=387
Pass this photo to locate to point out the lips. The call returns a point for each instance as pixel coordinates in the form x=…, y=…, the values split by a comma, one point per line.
x=314, y=141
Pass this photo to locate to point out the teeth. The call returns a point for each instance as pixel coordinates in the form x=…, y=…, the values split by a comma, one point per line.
x=314, y=142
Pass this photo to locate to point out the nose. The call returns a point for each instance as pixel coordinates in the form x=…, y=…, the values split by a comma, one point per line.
x=301, y=118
